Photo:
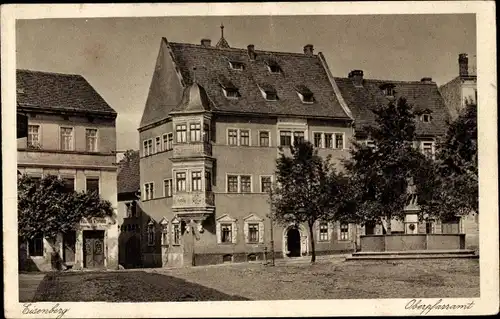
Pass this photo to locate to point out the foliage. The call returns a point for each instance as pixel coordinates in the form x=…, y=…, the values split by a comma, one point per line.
x=449, y=187
x=46, y=207
x=380, y=173
x=307, y=189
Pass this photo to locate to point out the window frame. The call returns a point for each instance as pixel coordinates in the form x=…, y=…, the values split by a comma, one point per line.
x=241, y=183
x=93, y=178
x=177, y=190
x=232, y=65
x=237, y=183
x=197, y=130
x=38, y=135
x=323, y=230
x=231, y=229
x=179, y=133
x=432, y=145
x=198, y=179
x=240, y=137
x=96, y=137
x=72, y=147
x=176, y=233
x=270, y=181
x=148, y=186
x=34, y=252
x=268, y=138
x=343, y=232
x=229, y=138
x=169, y=182
x=336, y=134
x=250, y=225
x=151, y=234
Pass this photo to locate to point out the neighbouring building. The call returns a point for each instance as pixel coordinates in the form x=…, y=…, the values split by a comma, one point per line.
x=71, y=134
x=129, y=213
x=214, y=122
x=458, y=93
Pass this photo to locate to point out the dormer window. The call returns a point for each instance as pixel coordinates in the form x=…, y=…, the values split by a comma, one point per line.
x=273, y=66
x=426, y=118
x=230, y=90
x=269, y=92
x=235, y=65
x=305, y=94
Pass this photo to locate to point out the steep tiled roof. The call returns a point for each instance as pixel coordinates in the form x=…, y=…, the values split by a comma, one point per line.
x=56, y=91
x=212, y=65
x=128, y=174
x=421, y=96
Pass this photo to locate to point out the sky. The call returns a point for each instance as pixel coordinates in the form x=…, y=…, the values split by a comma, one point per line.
x=117, y=55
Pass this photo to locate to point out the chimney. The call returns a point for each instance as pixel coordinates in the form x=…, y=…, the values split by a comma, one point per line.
x=206, y=42
x=463, y=64
x=357, y=77
x=251, y=51
x=308, y=49
x=426, y=80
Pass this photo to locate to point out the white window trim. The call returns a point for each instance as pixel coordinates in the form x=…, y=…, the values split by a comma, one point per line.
x=165, y=233
x=433, y=145
x=226, y=219
x=260, y=182
x=224, y=90
x=96, y=139
x=339, y=236
x=174, y=178
x=335, y=140
x=187, y=132
x=202, y=177
x=423, y=116
x=155, y=148
x=144, y=188
x=237, y=136
x=239, y=183
x=249, y=136
x=269, y=139
x=232, y=63
x=329, y=231
x=322, y=142
x=253, y=219
x=301, y=96
x=171, y=187
x=72, y=137
x=40, y=144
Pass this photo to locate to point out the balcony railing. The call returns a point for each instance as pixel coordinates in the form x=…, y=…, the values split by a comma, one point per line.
x=194, y=199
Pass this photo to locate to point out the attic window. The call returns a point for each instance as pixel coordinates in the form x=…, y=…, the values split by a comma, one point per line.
x=388, y=89
x=269, y=92
x=305, y=94
x=273, y=66
x=426, y=118
x=237, y=65
x=230, y=90
x=20, y=90
x=231, y=93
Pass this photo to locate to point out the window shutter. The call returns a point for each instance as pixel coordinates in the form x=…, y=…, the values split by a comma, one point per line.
x=218, y=233
x=330, y=231
x=261, y=232
x=245, y=230
x=234, y=233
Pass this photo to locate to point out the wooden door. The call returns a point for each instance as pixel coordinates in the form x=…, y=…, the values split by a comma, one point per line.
x=69, y=243
x=93, y=243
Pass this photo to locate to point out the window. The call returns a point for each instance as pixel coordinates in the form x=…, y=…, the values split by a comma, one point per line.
x=66, y=138
x=35, y=246
x=232, y=183
x=265, y=184
x=180, y=178
x=231, y=93
x=164, y=233
x=328, y=140
x=426, y=118
x=273, y=67
x=195, y=132
x=389, y=91
x=298, y=137
x=285, y=138
x=237, y=66
x=33, y=136
x=69, y=184
x=92, y=185
x=176, y=233
x=318, y=139
x=131, y=209
x=91, y=139
x=245, y=137
x=148, y=191
x=246, y=184
x=168, y=141
x=206, y=132
x=151, y=234
x=226, y=233
x=323, y=231
x=208, y=180
x=344, y=232
x=148, y=147
x=167, y=188
x=145, y=148
x=196, y=181
x=157, y=144
x=232, y=137
x=339, y=141
x=264, y=138
x=305, y=94
x=181, y=130
x=429, y=227
x=428, y=148
x=253, y=233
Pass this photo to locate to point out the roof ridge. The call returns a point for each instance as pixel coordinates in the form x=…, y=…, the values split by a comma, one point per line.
x=390, y=81
x=48, y=72
x=242, y=49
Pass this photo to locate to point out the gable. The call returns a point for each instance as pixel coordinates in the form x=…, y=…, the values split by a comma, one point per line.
x=225, y=218
x=253, y=218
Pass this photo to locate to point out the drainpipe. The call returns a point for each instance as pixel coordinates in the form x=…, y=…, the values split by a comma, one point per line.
x=272, y=241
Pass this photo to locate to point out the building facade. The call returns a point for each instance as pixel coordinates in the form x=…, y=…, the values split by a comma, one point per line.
x=215, y=121
x=71, y=134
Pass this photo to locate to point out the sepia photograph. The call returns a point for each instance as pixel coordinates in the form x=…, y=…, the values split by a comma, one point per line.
x=283, y=158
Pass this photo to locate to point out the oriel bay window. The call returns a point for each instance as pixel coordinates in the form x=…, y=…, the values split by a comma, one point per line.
x=180, y=180
x=208, y=180
x=181, y=133
x=195, y=132
x=196, y=181
x=206, y=132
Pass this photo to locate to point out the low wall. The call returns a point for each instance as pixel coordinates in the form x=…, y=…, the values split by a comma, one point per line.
x=406, y=242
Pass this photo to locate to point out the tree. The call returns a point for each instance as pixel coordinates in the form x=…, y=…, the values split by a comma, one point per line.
x=307, y=189
x=449, y=187
x=46, y=208
x=380, y=173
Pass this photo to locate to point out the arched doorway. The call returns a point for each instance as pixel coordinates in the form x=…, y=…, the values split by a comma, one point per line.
x=293, y=242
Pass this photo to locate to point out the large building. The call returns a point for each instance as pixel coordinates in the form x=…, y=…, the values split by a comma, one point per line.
x=211, y=130
x=71, y=134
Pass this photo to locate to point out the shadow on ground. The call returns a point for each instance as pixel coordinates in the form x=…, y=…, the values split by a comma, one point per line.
x=134, y=286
